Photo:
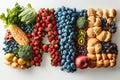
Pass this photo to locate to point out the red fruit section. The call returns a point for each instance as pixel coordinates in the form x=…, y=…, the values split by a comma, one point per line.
x=46, y=25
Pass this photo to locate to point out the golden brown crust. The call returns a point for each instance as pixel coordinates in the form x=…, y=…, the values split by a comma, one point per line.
x=99, y=57
x=91, y=56
x=94, y=31
x=97, y=22
x=99, y=12
x=94, y=46
x=112, y=13
x=98, y=48
x=92, y=64
x=105, y=13
x=91, y=33
x=92, y=41
x=90, y=24
x=109, y=55
x=104, y=36
x=90, y=12
x=99, y=63
x=109, y=20
x=106, y=63
x=104, y=56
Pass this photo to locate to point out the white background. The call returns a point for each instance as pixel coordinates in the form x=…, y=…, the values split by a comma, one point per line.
x=46, y=71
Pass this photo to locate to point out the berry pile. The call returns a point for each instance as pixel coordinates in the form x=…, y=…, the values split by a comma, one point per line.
x=26, y=28
x=81, y=50
x=66, y=28
x=10, y=43
x=109, y=48
x=46, y=24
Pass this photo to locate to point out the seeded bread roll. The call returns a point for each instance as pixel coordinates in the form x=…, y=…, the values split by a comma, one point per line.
x=104, y=36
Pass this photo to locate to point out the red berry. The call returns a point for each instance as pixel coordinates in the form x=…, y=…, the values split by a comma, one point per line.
x=32, y=62
x=45, y=47
x=50, y=25
x=37, y=64
x=58, y=64
x=37, y=52
x=39, y=55
x=54, y=22
x=36, y=59
x=56, y=53
x=36, y=38
x=49, y=49
x=56, y=46
x=41, y=29
x=43, y=24
x=34, y=47
x=55, y=33
x=48, y=29
x=33, y=34
x=53, y=55
x=29, y=36
x=50, y=39
x=53, y=42
x=49, y=33
x=54, y=28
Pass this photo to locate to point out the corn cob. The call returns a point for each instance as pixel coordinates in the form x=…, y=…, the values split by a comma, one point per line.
x=19, y=36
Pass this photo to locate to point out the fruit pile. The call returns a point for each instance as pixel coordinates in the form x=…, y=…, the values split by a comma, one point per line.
x=77, y=39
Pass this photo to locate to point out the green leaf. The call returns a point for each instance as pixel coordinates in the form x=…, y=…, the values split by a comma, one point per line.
x=29, y=5
x=15, y=52
x=3, y=18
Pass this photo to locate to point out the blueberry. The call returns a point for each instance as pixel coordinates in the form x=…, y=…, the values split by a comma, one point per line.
x=63, y=56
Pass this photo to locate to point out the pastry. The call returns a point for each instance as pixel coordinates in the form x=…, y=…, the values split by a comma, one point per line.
x=112, y=13
x=104, y=36
x=94, y=45
x=90, y=12
x=94, y=31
